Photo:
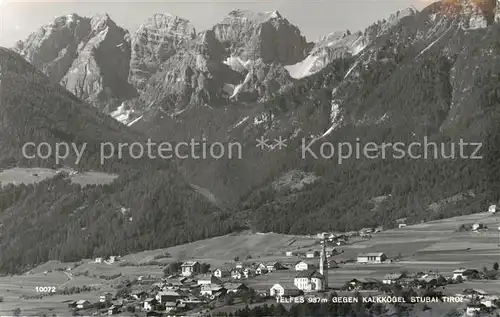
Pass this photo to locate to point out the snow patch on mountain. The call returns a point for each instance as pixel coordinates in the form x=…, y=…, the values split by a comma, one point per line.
x=125, y=115
x=302, y=69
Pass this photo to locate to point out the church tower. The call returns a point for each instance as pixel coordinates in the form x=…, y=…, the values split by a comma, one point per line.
x=323, y=264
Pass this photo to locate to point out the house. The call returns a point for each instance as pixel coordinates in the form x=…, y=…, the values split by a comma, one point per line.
x=235, y=287
x=222, y=272
x=273, y=266
x=306, y=265
x=473, y=309
x=309, y=281
x=190, y=268
x=114, y=309
x=139, y=295
x=340, y=242
x=167, y=296
x=280, y=290
x=366, y=231
x=464, y=273
x=249, y=272
x=372, y=257
x=83, y=304
x=105, y=298
x=191, y=301
x=260, y=271
x=149, y=304
x=332, y=264
x=261, y=265
x=477, y=226
x=492, y=209
x=112, y=259
x=170, y=306
x=289, y=253
x=332, y=252
x=392, y=278
x=237, y=274
x=362, y=284
x=239, y=265
x=210, y=290
x=98, y=260
x=207, y=279
x=312, y=254
x=402, y=225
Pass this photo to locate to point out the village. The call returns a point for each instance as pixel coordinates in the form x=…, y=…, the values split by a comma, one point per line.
x=331, y=267
x=195, y=288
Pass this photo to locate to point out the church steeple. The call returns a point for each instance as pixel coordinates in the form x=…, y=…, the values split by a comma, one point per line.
x=323, y=263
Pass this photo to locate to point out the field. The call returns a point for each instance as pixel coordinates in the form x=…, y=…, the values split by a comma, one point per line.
x=19, y=175
x=435, y=246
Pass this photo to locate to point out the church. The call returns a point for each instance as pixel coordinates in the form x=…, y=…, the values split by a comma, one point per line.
x=314, y=280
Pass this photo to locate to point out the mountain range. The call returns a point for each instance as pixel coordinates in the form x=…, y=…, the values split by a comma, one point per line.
x=430, y=75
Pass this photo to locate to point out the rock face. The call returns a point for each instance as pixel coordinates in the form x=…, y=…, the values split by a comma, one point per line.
x=344, y=44
x=88, y=56
x=269, y=36
x=154, y=43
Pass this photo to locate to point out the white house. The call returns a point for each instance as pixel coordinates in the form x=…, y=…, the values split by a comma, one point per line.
x=98, y=260
x=280, y=290
x=273, y=266
x=149, y=304
x=392, y=278
x=477, y=226
x=464, y=273
x=105, y=298
x=312, y=254
x=190, y=267
x=309, y=281
x=237, y=274
x=82, y=304
x=261, y=265
x=305, y=265
x=372, y=257
x=289, y=253
x=473, y=309
x=492, y=209
x=402, y=225
x=248, y=272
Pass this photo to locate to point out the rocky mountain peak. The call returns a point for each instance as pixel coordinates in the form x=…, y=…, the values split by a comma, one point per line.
x=471, y=14
x=101, y=20
x=171, y=24
x=87, y=55
x=154, y=42
x=253, y=35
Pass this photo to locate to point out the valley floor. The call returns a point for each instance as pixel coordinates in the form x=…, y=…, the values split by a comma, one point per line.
x=435, y=246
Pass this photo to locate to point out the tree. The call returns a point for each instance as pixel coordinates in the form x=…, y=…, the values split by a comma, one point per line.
x=171, y=268
x=205, y=268
x=495, y=266
x=16, y=312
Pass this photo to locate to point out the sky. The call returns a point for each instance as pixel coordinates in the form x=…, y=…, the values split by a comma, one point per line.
x=315, y=18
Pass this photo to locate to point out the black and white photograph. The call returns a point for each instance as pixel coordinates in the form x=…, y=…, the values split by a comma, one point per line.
x=261, y=158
